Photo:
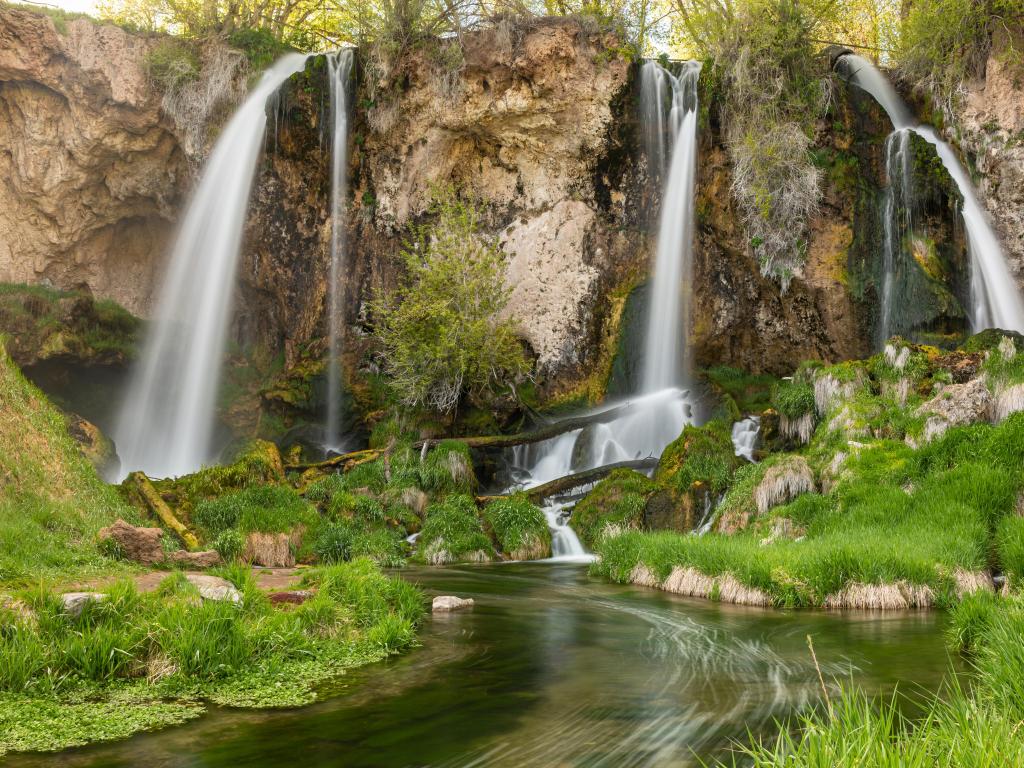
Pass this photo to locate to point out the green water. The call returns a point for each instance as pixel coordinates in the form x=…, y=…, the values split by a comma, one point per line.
x=554, y=668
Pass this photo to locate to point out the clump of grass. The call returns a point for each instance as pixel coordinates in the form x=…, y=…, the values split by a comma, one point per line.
x=702, y=455
x=452, y=532
x=520, y=527
x=261, y=508
x=617, y=502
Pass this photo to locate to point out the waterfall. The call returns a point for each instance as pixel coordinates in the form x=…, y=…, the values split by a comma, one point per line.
x=668, y=320
x=897, y=222
x=744, y=437
x=565, y=544
x=339, y=66
x=166, y=423
x=656, y=416
x=994, y=296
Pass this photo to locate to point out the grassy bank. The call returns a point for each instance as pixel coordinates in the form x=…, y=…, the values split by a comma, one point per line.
x=135, y=661
x=975, y=725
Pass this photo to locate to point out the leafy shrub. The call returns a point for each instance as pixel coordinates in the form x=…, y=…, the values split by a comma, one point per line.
x=440, y=332
x=172, y=62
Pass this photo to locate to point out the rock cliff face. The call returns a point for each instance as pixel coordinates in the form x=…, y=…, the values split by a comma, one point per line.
x=539, y=124
x=90, y=172
x=990, y=128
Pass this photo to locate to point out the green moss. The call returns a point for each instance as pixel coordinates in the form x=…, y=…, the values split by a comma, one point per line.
x=702, y=455
x=751, y=392
x=519, y=527
x=617, y=501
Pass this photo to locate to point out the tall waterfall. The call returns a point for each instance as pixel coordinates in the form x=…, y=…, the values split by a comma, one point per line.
x=339, y=66
x=668, y=319
x=656, y=415
x=995, y=299
x=897, y=223
x=166, y=423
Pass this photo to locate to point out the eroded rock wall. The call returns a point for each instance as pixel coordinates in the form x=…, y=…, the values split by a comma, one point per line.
x=91, y=174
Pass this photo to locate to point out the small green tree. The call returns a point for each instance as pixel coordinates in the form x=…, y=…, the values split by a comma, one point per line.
x=441, y=333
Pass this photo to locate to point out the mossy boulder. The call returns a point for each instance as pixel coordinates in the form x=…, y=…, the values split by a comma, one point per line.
x=700, y=455
x=452, y=532
x=618, y=501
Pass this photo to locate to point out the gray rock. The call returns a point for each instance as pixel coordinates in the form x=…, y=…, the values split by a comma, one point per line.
x=214, y=588
x=449, y=603
x=74, y=602
x=955, y=405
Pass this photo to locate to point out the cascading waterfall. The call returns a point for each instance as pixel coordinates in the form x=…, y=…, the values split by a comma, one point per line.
x=668, y=320
x=897, y=223
x=744, y=437
x=339, y=66
x=668, y=107
x=166, y=423
x=995, y=300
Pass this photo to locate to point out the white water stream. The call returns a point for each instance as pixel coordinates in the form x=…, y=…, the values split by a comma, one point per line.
x=166, y=422
x=995, y=300
x=656, y=416
x=744, y=437
x=339, y=66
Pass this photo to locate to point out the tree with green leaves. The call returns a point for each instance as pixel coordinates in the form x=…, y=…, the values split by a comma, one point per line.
x=444, y=332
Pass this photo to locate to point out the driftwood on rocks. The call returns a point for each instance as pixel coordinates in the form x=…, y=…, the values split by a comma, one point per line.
x=160, y=508
x=568, y=483
x=546, y=432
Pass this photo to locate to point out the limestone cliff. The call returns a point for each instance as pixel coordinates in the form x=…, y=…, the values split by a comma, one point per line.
x=989, y=125
x=91, y=173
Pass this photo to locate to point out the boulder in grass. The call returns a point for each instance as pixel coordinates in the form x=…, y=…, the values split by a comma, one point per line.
x=140, y=545
x=214, y=588
x=449, y=603
x=75, y=602
x=198, y=560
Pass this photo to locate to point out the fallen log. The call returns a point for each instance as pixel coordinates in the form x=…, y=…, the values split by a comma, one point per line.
x=161, y=509
x=344, y=460
x=539, y=493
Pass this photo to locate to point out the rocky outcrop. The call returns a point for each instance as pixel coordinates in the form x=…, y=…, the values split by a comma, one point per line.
x=989, y=125
x=91, y=173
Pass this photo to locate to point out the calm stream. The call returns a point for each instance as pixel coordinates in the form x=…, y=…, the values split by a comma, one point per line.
x=554, y=668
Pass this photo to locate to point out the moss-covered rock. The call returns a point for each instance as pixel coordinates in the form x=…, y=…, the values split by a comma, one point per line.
x=519, y=528
x=452, y=532
x=618, y=501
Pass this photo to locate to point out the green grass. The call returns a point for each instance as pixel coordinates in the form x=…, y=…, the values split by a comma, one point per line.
x=964, y=726
x=52, y=503
x=520, y=527
x=894, y=515
x=250, y=655
x=452, y=532
x=699, y=455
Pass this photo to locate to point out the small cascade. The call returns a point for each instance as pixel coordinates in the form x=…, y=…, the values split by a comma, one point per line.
x=744, y=437
x=995, y=300
x=668, y=320
x=166, y=423
x=565, y=544
x=654, y=418
x=339, y=66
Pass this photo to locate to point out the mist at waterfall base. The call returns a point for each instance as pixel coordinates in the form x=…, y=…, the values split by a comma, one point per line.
x=657, y=414
x=339, y=65
x=166, y=423
x=995, y=301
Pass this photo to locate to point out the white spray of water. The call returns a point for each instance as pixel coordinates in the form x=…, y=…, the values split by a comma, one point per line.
x=995, y=300
x=744, y=436
x=166, y=422
x=897, y=223
x=339, y=66
x=657, y=416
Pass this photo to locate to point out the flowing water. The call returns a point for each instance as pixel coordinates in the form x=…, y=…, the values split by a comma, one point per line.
x=166, y=422
x=668, y=320
x=554, y=668
x=897, y=224
x=995, y=301
x=653, y=419
x=744, y=436
x=339, y=65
